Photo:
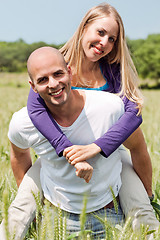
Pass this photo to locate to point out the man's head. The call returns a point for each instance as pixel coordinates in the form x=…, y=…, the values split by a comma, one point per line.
x=49, y=75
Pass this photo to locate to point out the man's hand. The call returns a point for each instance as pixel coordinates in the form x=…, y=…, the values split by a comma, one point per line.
x=80, y=153
x=84, y=170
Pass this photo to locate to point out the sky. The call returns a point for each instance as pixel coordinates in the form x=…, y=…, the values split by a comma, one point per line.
x=55, y=21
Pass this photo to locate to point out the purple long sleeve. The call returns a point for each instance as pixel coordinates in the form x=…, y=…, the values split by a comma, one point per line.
x=121, y=130
x=44, y=122
x=129, y=121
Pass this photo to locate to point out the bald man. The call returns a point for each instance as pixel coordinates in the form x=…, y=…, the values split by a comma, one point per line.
x=80, y=115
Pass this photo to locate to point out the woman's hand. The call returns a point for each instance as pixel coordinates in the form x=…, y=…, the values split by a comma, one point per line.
x=80, y=153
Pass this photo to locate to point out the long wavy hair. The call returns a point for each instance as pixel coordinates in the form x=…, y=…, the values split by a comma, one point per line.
x=74, y=54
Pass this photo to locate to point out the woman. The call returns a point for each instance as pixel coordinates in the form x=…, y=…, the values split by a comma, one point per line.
x=99, y=59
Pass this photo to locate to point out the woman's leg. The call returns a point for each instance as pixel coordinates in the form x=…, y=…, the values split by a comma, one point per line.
x=133, y=196
x=22, y=210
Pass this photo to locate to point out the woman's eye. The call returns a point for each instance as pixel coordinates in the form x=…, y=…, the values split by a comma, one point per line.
x=111, y=39
x=101, y=33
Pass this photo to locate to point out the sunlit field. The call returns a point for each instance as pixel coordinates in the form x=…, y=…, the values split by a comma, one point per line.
x=14, y=89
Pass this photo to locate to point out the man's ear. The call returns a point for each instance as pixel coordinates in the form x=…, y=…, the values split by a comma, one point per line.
x=32, y=86
x=69, y=71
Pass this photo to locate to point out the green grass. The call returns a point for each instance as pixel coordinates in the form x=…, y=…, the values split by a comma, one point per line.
x=13, y=95
x=151, y=129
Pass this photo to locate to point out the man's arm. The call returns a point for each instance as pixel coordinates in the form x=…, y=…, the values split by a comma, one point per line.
x=140, y=158
x=20, y=162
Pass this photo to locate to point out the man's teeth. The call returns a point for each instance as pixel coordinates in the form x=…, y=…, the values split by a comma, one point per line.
x=56, y=93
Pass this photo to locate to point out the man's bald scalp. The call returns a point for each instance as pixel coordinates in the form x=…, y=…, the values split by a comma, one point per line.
x=40, y=53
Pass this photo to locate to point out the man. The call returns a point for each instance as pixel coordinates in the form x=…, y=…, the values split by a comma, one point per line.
x=81, y=116
x=77, y=112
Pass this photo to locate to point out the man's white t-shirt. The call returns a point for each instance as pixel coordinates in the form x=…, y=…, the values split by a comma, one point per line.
x=59, y=182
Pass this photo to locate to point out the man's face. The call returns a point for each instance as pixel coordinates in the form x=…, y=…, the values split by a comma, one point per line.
x=51, y=79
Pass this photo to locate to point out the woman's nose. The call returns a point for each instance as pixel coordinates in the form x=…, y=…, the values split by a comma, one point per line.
x=104, y=41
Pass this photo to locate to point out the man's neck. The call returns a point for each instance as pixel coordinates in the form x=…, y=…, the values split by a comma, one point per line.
x=67, y=114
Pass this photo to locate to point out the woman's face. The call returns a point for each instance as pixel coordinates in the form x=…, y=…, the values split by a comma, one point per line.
x=99, y=38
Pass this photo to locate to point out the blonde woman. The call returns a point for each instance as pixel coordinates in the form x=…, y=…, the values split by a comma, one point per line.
x=99, y=59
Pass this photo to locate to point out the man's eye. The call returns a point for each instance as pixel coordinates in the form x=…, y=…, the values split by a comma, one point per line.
x=58, y=74
x=41, y=80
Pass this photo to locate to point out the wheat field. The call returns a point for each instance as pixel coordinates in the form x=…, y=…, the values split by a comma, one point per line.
x=14, y=89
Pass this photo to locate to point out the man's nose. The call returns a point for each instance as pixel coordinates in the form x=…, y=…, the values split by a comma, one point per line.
x=52, y=83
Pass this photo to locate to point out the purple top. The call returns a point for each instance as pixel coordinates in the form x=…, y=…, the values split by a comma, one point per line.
x=110, y=141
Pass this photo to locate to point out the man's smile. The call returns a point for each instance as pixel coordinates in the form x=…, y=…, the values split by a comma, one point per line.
x=56, y=93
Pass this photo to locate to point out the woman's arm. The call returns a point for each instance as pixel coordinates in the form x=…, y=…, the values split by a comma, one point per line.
x=111, y=140
x=108, y=143
x=129, y=121
x=121, y=130
x=44, y=122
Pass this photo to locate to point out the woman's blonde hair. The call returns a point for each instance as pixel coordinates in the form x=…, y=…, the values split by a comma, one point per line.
x=74, y=54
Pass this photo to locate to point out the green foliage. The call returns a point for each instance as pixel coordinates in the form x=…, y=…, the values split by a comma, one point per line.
x=13, y=55
x=146, y=56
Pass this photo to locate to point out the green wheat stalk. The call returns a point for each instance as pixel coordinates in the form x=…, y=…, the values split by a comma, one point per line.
x=5, y=213
x=114, y=200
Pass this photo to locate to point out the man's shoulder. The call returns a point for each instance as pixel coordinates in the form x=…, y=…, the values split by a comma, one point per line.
x=102, y=95
x=20, y=119
x=21, y=111
x=104, y=101
x=21, y=129
x=21, y=115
